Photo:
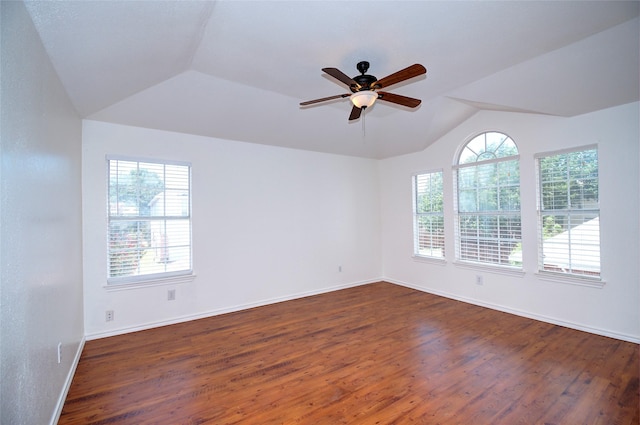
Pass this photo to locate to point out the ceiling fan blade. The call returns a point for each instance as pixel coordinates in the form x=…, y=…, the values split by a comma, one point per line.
x=404, y=74
x=340, y=76
x=355, y=113
x=399, y=99
x=324, y=99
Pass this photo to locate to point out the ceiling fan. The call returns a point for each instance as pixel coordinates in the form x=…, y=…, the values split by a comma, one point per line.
x=364, y=88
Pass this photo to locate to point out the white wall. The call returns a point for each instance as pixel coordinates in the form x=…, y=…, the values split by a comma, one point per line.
x=274, y=223
x=268, y=224
x=611, y=310
x=40, y=228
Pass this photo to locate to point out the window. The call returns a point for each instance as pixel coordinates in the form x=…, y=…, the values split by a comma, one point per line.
x=428, y=217
x=149, y=230
x=569, y=212
x=488, y=201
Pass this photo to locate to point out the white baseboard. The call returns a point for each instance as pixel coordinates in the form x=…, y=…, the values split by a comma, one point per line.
x=225, y=310
x=529, y=315
x=67, y=384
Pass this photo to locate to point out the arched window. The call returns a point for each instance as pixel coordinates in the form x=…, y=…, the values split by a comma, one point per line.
x=488, y=201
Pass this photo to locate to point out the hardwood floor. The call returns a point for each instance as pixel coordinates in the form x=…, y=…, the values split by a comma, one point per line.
x=374, y=354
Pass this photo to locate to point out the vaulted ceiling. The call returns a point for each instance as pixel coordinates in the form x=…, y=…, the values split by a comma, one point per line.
x=239, y=69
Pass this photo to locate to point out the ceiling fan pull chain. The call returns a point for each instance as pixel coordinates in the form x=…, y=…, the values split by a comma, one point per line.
x=364, y=112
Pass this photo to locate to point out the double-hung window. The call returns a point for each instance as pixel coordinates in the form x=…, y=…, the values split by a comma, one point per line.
x=569, y=213
x=428, y=215
x=149, y=220
x=487, y=208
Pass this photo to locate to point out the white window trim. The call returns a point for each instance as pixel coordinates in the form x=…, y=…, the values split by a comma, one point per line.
x=146, y=159
x=558, y=277
x=571, y=279
x=149, y=282
x=431, y=260
x=490, y=268
x=416, y=256
x=157, y=279
x=498, y=268
x=564, y=151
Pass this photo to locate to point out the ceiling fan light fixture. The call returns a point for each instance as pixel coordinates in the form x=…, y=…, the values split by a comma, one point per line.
x=363, y=88
x=363, y=99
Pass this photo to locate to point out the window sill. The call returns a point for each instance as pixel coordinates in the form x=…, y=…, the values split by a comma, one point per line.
x=430, y=260
x=173, y=280
x=571, y=280
x=505, y=270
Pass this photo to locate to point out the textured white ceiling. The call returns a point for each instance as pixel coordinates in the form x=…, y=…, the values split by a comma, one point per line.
x=239, y=69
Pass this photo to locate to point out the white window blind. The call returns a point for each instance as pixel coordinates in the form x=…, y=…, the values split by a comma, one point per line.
x=488, y=201
x=149, y=229
x=428, y=217
x=569, y=213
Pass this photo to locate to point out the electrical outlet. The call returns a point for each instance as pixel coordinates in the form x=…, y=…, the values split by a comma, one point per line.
x=59, y=352
x=171, y=294
x=108, y=316
x=479, y=280
x=339, y=268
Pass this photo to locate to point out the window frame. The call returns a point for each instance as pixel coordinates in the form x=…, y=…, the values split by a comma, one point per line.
x=589, y=279
x=149, y=279
x=480, y=213
x=432, y=213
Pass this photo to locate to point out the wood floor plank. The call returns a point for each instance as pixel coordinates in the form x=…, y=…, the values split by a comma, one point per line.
x=373, y=354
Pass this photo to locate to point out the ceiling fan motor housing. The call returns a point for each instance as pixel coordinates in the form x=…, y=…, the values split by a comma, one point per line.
x=364, y=81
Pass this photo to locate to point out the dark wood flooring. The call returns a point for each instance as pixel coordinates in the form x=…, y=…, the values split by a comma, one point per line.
x=374, y=354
